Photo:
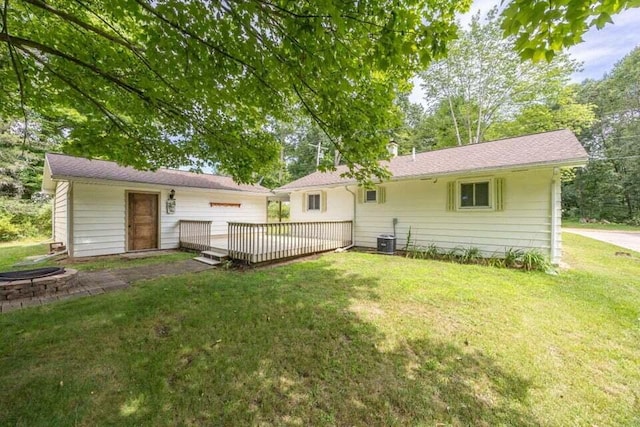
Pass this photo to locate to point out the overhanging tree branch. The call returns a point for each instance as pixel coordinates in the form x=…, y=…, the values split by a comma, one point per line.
x=119, y=39
x=190, y=34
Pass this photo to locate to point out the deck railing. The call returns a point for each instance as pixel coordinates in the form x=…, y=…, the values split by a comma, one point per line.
x=255, y=243
x=195, y=235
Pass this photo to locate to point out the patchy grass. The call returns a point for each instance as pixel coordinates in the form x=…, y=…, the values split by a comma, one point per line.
x=345, y=339
x=18, y=251
x=599, y=226
x=26, y=241
x=109, y=262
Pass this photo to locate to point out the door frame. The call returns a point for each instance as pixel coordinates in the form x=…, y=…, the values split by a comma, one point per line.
x=158, y=195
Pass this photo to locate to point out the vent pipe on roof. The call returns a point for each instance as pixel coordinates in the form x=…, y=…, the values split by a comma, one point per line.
x=392, y=148
x=413, y=154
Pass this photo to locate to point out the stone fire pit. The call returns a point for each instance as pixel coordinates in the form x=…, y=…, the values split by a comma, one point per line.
x=39, y=286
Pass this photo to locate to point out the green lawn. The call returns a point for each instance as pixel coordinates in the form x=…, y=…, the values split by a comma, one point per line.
x=599, y=226
x=345, y=339
x=11, y=254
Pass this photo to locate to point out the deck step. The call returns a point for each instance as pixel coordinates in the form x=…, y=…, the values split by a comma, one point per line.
x=207, y=260
x=217, y=255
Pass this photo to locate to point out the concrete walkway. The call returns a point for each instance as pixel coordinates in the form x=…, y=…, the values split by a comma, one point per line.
x=625, y=239
x=102, y=281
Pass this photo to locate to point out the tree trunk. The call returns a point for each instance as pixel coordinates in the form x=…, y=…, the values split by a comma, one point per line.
x=455, y=121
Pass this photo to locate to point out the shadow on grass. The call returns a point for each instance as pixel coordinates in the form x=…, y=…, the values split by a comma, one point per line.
x=278, y=346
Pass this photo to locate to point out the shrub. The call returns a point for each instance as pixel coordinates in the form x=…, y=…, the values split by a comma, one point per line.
x=496, y=262
x=633, y=221
x=415, y=252
x=27, y=218
x=512, y=257
x=432, y=251
x=534, y=260
x=421, y=252
x=452, y=254
x=470, y=255
x=8, y=231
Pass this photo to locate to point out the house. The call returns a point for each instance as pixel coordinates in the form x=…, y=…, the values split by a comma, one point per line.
x=494, y=196
x=101, y=208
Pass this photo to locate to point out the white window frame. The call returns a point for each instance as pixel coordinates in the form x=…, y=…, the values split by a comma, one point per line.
x=479, y=180
x=309, y=208
x=366, y=192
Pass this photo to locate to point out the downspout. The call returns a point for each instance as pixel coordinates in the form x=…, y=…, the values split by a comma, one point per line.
x=53, y=214
x=353, y=221
x=70, y=224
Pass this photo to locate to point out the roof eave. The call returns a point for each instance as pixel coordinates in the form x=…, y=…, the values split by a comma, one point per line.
x=141, y=183
x=576, y=162
x=48, y=182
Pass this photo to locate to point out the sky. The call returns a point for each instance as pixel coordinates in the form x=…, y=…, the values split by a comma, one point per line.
x=599, y=51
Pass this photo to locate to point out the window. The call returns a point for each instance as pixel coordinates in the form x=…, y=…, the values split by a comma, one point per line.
x=474, y=194
x=313, y=202
x=371, y=196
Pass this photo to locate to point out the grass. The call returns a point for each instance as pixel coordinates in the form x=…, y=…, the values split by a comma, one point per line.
x=344, y=339
x=102, y=263
x=599, y=226
x=17, y=252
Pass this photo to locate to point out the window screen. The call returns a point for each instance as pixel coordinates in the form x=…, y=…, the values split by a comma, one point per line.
x=481, y=194
x=474, y=194
x=371, y=196
x=313, y=202
x=466, y=195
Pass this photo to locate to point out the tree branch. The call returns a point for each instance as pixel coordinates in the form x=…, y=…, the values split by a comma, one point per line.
x=17, y=69
x=122, y=41
x=114, y=118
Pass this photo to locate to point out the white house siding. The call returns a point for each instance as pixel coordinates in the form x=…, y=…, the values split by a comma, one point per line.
x=525, y=222
x=60, y=211
x=100, y=215
x=339, y=204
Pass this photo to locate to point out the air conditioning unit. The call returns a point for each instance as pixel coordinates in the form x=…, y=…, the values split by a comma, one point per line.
x=387, y=244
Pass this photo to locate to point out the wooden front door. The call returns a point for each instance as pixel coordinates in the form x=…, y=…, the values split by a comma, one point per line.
x=143, y=221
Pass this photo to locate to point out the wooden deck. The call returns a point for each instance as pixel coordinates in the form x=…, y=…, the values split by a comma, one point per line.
x=256, y=243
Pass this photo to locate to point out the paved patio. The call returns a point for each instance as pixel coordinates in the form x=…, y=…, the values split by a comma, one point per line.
x=102, y=281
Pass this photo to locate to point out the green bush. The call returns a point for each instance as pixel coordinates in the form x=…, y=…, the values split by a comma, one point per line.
x=8, y=231
x=635, y=221
x=534, y=260
x=512, y=258
x=24, y=218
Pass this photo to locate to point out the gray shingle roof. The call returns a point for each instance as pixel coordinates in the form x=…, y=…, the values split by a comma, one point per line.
x=69, y=167
x=559, y=147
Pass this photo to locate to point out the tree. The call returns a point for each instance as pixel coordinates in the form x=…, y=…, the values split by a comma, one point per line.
x=613, y=142
x=22, y=156
x=563, y=112
x=412, y=133
x=167, y=82
x=543, y=28
x=483, y=80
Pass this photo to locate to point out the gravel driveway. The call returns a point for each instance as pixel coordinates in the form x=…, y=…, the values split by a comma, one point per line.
x=624, y=239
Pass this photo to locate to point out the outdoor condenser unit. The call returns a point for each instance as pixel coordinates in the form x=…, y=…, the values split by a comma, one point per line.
x=387, y=244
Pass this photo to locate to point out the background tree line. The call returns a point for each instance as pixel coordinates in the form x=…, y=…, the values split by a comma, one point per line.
x=24, y=210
